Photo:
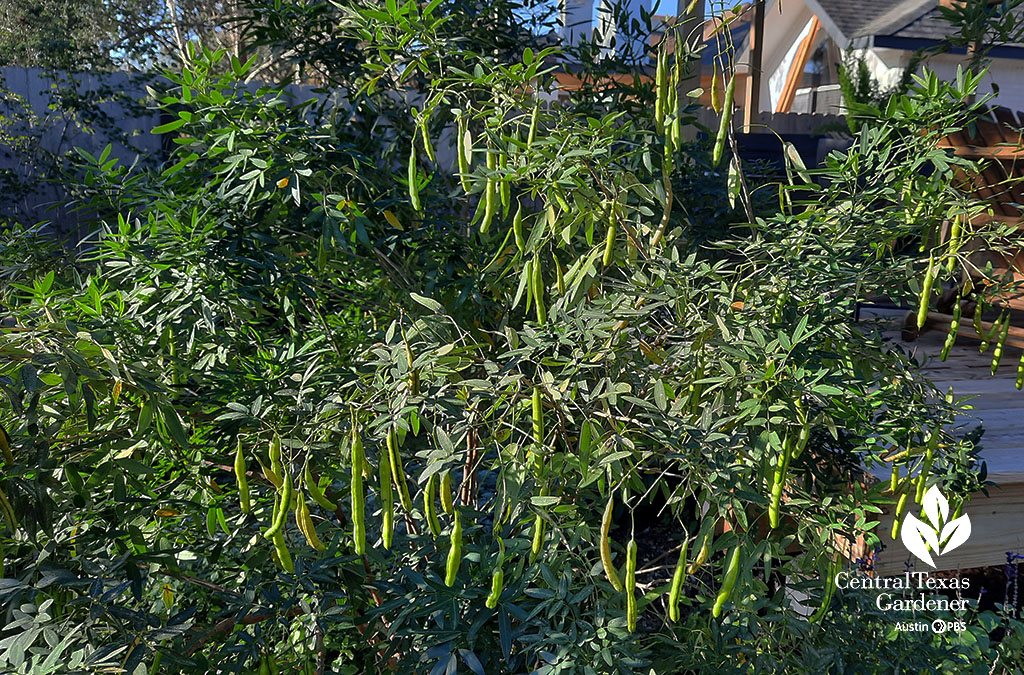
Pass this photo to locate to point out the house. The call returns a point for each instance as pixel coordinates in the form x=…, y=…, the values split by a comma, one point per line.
x=804, y=41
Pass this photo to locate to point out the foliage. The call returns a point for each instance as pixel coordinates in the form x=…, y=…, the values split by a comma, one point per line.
x=275, y=288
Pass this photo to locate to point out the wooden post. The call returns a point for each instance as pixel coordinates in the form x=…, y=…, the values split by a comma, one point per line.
x=752, y=96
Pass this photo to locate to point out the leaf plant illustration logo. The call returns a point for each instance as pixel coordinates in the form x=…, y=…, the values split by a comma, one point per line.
x=939, y=535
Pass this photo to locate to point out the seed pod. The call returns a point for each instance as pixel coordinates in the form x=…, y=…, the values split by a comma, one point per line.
x=464, y=152
x=315, y=492
x=414, y=373
x=926, y=465
x=534, y=118
x=678, y=577
x=538, y=290
x=954, y=330
x=387, y=500
x=428, y=147
x=497, y=577
x=894, y=479
x=398, y=471
x=538, y=427
x=272, y=662
x=517, y=229
x=414, y=191
x=926, y=291
x=779, y=482
x=723, y=127
x=716, y=97
x=504, y=184
x=631, y=604
x=429, y=508
x=997, y=353
x=660, y=91
x=454, y=552
x=306, y=526
x=702, y=553
x=954, y=242
x=275, y=455
x=358, y=495
x=447, y=499
x=606, y=545
x=732, y=572
x=609, y=238
x=1020, y=372
x=899, y=512
x=830, y=587
x=241, y=478
x=490, y=203
x=281, y=515
x=538, y=537
x=559, y=276
x=284, y=556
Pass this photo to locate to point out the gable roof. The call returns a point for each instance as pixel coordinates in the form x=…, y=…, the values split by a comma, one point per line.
x=900, y=24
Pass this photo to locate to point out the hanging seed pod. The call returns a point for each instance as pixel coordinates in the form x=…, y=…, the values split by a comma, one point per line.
x=538, y=290
x=387, y=500
x=1020, y=372
x=702, y=553
x=997, y=353
x=497, y=577
x=723, y=126
x=732, y=573
x=954, y=330
x=830, y=588
x=926, y=291
x=900, y=504
x=398, y=471
x=305, y=523
x=284, y=556
x=454, y=552
x=716, y=97
x=447, y=499
x=358, y=495
x=678, y=577
x=281, y=514
x=517, y=229
x=464, y=152
x=632, y=611
x=538, y=537
x=241, y=479
x=428, y=147
x=954, y=242
x=609, y=239
x=414, y=191
x=606, y=545
x=316, y=493
x=429, y=507
x=779, y=481
x=534, y=118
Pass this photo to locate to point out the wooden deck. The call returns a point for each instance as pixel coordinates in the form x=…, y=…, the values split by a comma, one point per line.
x=997, y=519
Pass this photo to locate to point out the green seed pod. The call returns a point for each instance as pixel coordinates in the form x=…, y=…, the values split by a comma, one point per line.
x=497, y=577
x=284, y=556
x=898, y=513
x=414, y=191
x=609, y=238
x=954, y=242
x=997, y=353
x=428, y=147
x=779, y=482
x=606, y=545
x=429, y=508
x=398, y=471
x=702, y=553
x=242, y=479
x=732, y=572
x=538, y=537
x=447, y=498
x=517, y=229
x=490, y=204
x=464, y=152
x=538, y=289
x=926, y=291
x=315, y=492
x=305, y=523
x=830, y=587
x=358, y=495
x=678, y=577
x=954, y=330
x=723, y=127
x=281, y=515
x=1020, y=371
x=387, y=500
x=534, y=118
x=454, y=552
x=559, y=276
x=631, y=605
x=716, y=96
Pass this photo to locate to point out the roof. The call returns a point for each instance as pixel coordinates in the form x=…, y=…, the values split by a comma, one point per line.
x=901, y=24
